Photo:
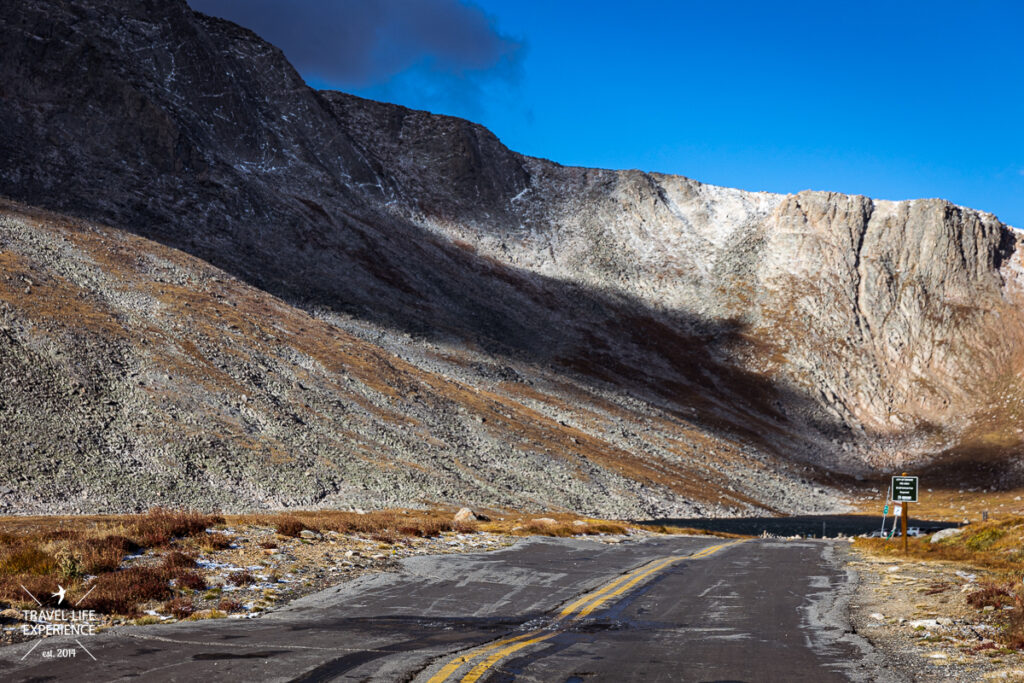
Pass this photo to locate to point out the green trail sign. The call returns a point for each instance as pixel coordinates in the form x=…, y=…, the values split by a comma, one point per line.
x=904, y=489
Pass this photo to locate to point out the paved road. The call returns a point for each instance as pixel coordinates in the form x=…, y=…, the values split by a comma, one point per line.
x=662, y=609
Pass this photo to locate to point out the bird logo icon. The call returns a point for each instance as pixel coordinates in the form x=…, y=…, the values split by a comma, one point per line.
x=60, y=594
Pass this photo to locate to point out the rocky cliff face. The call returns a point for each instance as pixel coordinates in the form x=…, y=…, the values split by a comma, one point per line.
x=829, y=329
x=898, y=322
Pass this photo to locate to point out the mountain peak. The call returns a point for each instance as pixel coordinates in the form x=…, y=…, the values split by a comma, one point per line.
x=535, y=329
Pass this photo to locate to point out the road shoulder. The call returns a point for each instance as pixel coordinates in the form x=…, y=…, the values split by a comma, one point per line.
x=916, y=615
x=827, y=620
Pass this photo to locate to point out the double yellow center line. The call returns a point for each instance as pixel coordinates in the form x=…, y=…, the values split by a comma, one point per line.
x=494, y=652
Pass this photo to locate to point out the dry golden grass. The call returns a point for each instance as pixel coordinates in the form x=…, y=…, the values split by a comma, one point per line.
x=104, y=554
x=22, y=557
x=565, y=529
x=564, y=524
x=159, y=526
x=690, y=531
x=386, y=525
x=954, y=504
x=997, y=545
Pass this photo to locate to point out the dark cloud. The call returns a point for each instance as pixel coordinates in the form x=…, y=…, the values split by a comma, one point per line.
x=363, y=44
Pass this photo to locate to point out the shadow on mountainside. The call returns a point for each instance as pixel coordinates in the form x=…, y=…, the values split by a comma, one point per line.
x=675, y=360
x=974, y=465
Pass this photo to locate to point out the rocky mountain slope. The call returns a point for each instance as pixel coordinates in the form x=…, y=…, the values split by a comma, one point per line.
x=307, y=298
x=135, y=374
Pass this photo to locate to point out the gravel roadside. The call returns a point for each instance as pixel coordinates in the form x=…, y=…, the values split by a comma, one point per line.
x=917, y=615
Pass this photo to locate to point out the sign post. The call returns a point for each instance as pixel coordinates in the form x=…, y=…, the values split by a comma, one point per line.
x=885, y=510
x=903, y=525
x=904, y=490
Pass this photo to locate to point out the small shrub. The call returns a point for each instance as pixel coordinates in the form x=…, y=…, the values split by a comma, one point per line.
x=228, y=605
x=27, y=558
x=984, y=539
x=289, y=526
x=178, y=560
x=180, y=608
x=214, y=542
x=160, y=526
x=68, y=566
x=190, y=580
x=242, y=578
x=121, y=592
x=991, y=595
x=103, y=554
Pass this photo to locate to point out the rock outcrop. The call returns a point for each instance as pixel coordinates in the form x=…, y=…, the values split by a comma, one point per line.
x=506, y=311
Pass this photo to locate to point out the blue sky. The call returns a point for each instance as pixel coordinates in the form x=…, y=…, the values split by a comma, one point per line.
x=894, y=100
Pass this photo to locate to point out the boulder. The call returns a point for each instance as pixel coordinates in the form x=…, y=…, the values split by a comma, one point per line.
x=945, y=533
x=465, y=515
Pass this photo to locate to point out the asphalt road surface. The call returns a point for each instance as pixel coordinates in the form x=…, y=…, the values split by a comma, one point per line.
x=564, y=610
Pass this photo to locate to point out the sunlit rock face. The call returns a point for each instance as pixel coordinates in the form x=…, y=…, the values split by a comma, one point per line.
x=897, y=324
